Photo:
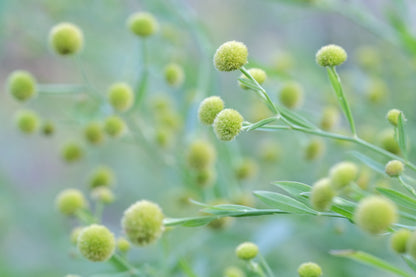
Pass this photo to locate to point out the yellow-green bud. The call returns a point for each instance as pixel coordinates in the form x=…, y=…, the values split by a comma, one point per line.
x=27, y=121
x=233, y=271
x=309, y=270
x=74, y=234
x=330, y=118
x=96, y=243
x=142, y=222
x=143, y=24
x=331, y=55
x=368, y=57
x=230, y=56
x=247, y=251
x=174, y=75
x=123, y=245
x=21, y=85
x=69, y=201
x=375, y=214
x=399, y=240
x=120, y=96
x=393, y=116
x=258, y=74
x=394, y=168
x=314, y=149
x=322, y=194
x=163, y=137
x=246, y=169
x=102, y=176
x=205, y=177
x=200, y=155
x=48, y=128
x=114, y=126
x=291, y=94
x=66, y=38
x=93, y=133
x=388, y=142
x=377, y=91
x=72, y=152
x=228, y=124
x=209, y=108
x=342, y=174
x=103, y=195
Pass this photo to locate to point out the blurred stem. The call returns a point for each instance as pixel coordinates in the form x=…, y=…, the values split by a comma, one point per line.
x=58, y=89
x=253, y=266
x=186, y=268
x=407, y=186
x=90, y=90
x=85, y=217
x=122, y=264
x=265, y=265
x=142, y=83
x=99, y=207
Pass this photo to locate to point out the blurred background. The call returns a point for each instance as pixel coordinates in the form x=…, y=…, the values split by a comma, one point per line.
x=282, y=38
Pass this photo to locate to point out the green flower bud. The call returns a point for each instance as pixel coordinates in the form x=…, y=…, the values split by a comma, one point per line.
x=368, y=57
x=143, y=24
x=48, y=128
x=394, y=168
x=230, y=56
x=114, y=126
x=102, y=176
x=388, y=142
x=247, y=251
x=120, y=97
x=377, y=91
x=331, y=55
x=69, y=201
x=322, y=194
x=174, y=75
x=66, y=39
x=27, y=121
x=169, y=119
x=375, y=214
x=21, y=85
x=93, y=133
x=200, y=155
x=163, y=137
x=314, y=149
x=205, y=177
x=103, y=195
x=399, y=240
x=209, y=108
x=393, y=116
x=142, y=222
x=330, y=118
x=74, y=234
x=342, y=174
x=233, y=271
x=309, y=270
x=291, y=95
x=96, y=243
x=123, y=245
x=220, y=223
x=72, y=152
x=258, y=74
x=228, y=124
x=246, y=169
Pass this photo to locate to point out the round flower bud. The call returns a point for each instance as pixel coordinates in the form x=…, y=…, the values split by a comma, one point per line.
x=342, y=174
x=120, y=97
x=123, y=245
x=246, y=169
x=394, y=168
x=74, y=234
x=314, y=149
x=291, y=95
x=114, y=126
x=142, y=222
x=209, y=108
x=228, y=124
x=200, y=155
x=309, y=270
x=96, y=243
x=205, y=177
x=48, y=128
x=331, y=55
x=230, y=56
x=330, y=118
x=377, y=91
x=374, y=214
x=393, y=116
x=66, y=39
x=93, y=133
x=103, y=195
x=368, y=57
x=69, y=201
x=247, y=251
x=322, y=194
x=233, y=271
x=21, y=85
x=163, y=137
x=174, y=75
x=142, y=24
x=388, y=142
x=399, y=239
x=72, y=152
x=258, y=74
x=102, y=176
x=27, y=121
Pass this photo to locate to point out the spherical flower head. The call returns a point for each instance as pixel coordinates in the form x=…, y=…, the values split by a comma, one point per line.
x=330, y=118
x=246, y=169
x=103, y=195
x=48, y=128
x=388, y=141
x=322, y=194
x=21, y=85
x=142, y=222
x=375, y=214
x=393, y=116
x=174, y=75
x=247, y=251
x=233, y=271
x=309, y=270
x=66, y=38
x=205, y=177
x=123, y=245
x=93, y=133
x=314, y=149
x=27, y=121
x=69, y=201
x=331, y=55
x=114, y=126
x=394, y=168
x=201, y=155
x=120, y=97
x=163, y=137
x=72, y=152
x=291, y=95
x=228, y=124
x=102, y=176
x=209, y=108
x=96, y=243
x=342, y=174
x=230, y=56
x=142, y=24
x=399, y=240
x=258, y=74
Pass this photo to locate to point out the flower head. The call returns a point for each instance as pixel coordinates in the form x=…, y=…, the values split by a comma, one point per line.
x=247, y=251
x=209, y=108
x=331, y=55
x=228, y=124
x=230, y=56
x=142, y=24
x=21, y=85
x=66, y=38
x=96, y=243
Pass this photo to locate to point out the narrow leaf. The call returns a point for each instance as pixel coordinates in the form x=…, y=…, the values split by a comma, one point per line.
x=296, y=119
x=401, y=135
x=293, y=188
x=376, y=166
x=260, y=123
x=283, y=202
x=189, y=221
x=398, y=197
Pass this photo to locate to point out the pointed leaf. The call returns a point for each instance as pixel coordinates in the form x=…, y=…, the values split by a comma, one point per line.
x=369, y=162
x=398, y=197
x=283, y=202
x=401, y=134
x=189, y=221
x=296, y=119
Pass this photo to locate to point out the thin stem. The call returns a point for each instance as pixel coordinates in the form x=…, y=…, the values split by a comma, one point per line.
x=142, y=84
x=58, y=89
x=265, y=265
x=256, y=268
x=120, y=262
x=407, y=186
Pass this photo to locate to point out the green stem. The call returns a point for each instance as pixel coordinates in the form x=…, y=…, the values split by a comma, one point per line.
x=142, y=85
x=58, y=89
x=407, y=186
x=122, y=264
x=256, y=268
x=266, y=266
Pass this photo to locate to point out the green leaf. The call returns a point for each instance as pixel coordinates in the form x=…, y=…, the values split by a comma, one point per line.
x=293, y=188
x=398, y=197
x=370, y=260
x=283, y=202
x=410, y=263
x=401, y=135
x=376, y=166
x=260, y=123
x=189, y=221
x=343, y=207
x=295, y=118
